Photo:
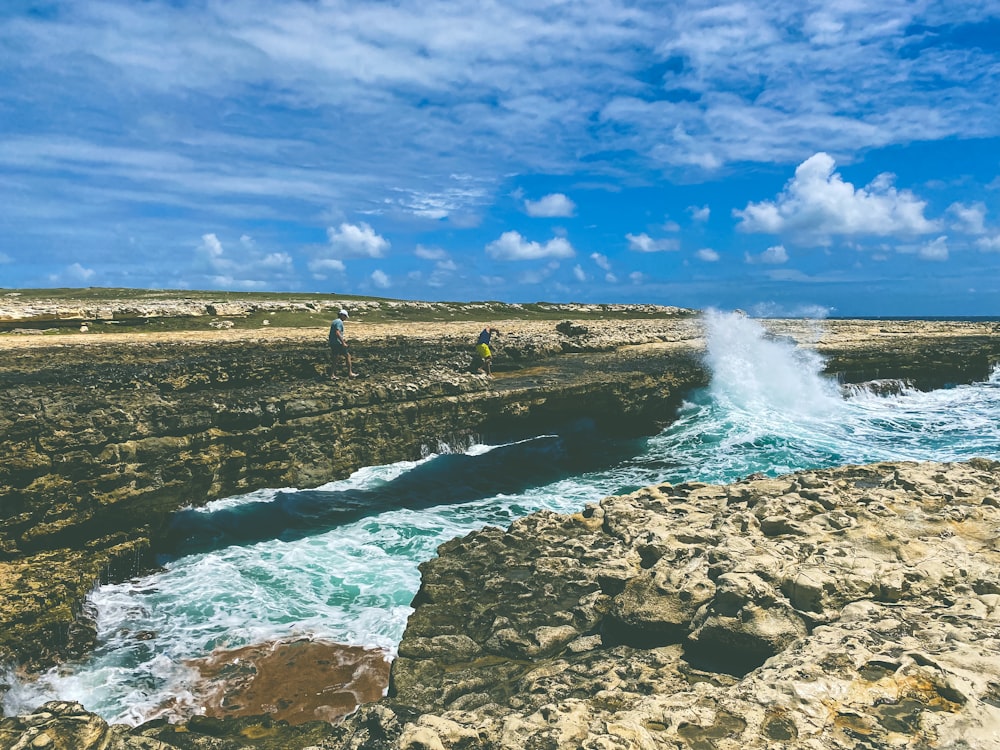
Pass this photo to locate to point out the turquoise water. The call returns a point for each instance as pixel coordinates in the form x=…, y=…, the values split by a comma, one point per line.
x=342, y=563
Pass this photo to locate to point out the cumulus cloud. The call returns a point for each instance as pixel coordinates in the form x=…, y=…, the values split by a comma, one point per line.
x=248, y=268
x=551, y=206
x=578, y=273
x=707, y=254
x=969, y=219
x=699, y=213
x=356, y=241
x=381, y=279
x=818, y=204
x=935, y=249
x=512, y=246
x=774, y=255
x=990, y=244
x=643, y=243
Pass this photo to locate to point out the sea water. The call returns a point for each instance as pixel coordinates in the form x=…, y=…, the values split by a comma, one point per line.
x=340, y=562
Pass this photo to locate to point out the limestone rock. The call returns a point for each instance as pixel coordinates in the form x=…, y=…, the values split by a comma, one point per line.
x=819, y=610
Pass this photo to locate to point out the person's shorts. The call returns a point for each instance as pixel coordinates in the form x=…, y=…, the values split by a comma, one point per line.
x=483, y=351
x=336, y=347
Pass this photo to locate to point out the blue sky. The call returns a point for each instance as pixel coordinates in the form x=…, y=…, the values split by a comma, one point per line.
x=834, y=157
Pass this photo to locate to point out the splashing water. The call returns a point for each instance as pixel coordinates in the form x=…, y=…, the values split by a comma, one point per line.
x=768, y=409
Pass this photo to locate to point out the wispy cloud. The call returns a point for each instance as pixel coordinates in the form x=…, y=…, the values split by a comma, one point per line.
x=707, y=254
x=430, y=253
x=601, y=260
x=381, y=279
x=643, y=243
x=817, y=204
x=74, y=274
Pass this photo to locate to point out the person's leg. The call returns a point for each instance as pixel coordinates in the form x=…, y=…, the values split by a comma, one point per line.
x=350, y=367
x=489, y=366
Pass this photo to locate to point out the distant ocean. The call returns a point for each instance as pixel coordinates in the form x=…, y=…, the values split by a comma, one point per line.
x=340, y=562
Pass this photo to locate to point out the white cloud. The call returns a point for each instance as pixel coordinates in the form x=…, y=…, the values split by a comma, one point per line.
x=211, y=246
x=430, y=253
x=774, y=255
x=512, y=246
x=77, y=273
x=935, y=249
x=818, y=204
x=578, y=273
x=250, y=269
x=699, y=213
x=990, y=244
x=322, y=266
x=636, y=277
x=276, y=262
x=707, y=254
x=611, y=278
x=671, y=226
x=969, y=219
x=643, y=243
x=601, y=260
x=551, y=206
x=357, y=241
x=380, y=279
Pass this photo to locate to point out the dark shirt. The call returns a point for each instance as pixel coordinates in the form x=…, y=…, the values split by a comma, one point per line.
x=484, y=337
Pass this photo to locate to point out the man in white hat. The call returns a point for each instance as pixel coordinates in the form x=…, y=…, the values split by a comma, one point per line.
x=338, y=345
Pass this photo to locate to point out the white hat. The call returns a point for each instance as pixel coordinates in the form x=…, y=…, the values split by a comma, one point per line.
x=343, y=313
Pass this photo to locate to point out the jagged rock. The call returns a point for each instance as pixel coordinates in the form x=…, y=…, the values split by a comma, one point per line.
x=720, y=625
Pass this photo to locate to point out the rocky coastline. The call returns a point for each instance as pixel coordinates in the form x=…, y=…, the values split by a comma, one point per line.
x=108, y=435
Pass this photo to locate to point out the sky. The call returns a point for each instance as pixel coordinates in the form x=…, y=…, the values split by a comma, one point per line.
x=786, y=158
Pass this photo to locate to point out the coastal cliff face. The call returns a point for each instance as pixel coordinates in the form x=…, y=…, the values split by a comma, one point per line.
x=108, y=435
x=105, y=439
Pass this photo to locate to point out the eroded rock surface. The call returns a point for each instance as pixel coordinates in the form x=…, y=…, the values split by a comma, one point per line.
x=827, y=609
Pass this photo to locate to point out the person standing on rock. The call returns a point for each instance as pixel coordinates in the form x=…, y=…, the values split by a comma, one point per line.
x=483, y=352
x=338, y=345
